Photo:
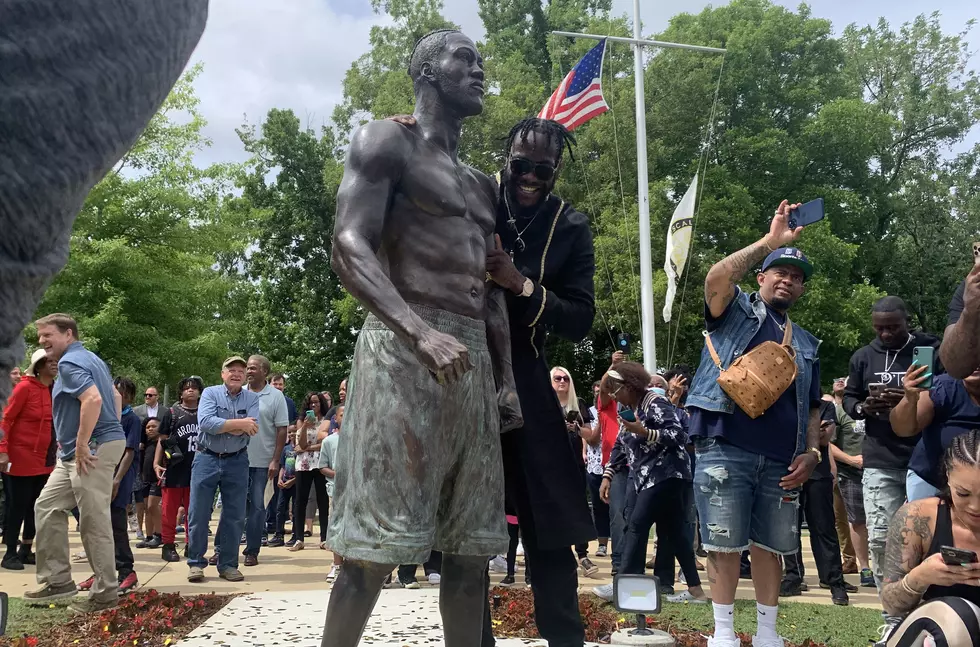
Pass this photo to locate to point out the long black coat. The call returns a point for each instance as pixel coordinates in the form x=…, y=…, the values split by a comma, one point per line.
x=540, y=465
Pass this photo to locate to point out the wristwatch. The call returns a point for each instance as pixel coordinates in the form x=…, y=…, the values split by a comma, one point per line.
x=815, y=452
x=528, y=288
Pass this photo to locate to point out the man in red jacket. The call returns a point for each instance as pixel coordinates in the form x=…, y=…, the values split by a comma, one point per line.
x=26, y=455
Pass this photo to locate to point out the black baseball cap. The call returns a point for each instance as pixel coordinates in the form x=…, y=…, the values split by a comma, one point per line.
x=789, y=256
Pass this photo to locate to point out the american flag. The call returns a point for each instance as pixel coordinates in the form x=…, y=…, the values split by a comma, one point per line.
x=579, y=97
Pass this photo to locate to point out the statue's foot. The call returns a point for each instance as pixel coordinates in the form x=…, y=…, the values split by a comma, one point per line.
x=509, y=405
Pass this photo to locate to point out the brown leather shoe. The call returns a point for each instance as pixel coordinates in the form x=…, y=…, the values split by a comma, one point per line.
x=850, y=567
x=251, y=560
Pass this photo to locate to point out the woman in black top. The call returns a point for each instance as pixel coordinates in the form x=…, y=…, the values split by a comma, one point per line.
x=941, y=600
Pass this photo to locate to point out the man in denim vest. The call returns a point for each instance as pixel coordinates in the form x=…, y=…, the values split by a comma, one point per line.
x=749, y=471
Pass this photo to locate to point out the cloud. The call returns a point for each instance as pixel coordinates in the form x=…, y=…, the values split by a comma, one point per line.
x=294, y=54
x=260, y=55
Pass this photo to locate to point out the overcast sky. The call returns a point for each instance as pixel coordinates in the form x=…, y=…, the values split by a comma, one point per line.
x=293, y=54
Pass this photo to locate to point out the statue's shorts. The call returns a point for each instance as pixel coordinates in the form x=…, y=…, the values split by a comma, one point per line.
x=418, y=464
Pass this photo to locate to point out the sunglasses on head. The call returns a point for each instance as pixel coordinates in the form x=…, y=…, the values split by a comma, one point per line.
x=523, y=166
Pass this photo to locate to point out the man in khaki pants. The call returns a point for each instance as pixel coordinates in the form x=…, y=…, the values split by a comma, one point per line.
x=87, y=411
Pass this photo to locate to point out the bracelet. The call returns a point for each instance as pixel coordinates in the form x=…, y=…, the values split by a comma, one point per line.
x=765, y=240
x=908, y=588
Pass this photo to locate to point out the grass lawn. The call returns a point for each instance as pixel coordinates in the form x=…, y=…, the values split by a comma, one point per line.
x=833, y=626
x=30, y=620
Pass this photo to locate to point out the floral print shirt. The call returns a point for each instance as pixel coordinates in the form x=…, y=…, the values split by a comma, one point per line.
x=663, y=454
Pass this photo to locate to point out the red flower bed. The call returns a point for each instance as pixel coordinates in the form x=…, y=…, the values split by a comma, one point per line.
x=512, y=613
x=145, y=618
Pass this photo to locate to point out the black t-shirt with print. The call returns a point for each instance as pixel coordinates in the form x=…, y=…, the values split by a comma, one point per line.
x=149, y=451
x=181, y=428
x=828, y=413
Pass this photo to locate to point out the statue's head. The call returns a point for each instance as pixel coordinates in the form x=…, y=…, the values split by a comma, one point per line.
x=447, y=67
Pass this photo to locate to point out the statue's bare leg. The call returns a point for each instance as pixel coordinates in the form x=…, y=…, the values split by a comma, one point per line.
x=498, y=339
x=463, y=599
x=352, y=600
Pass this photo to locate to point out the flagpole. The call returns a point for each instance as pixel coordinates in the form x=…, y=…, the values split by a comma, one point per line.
x=648, y=318
x=648, y=333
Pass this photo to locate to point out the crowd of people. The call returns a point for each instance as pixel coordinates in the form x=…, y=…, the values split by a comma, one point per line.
x=726, y=463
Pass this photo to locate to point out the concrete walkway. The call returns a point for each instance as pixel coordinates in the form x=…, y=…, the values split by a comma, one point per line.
x=281, y=570
x=401, y=619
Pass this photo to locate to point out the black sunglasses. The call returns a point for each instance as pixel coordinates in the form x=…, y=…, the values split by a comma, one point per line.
x=523, y=166
x=149, y=395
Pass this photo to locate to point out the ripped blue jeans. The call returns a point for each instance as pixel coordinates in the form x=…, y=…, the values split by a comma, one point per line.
x=740, y=502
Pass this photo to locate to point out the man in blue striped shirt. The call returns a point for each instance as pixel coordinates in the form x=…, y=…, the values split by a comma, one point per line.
x=228, y=417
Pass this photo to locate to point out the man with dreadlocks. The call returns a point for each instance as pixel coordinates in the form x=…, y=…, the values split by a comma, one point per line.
x=412, y=234
x=544, y=261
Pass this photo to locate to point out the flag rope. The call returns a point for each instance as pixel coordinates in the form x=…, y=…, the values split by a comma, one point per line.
x=702, y=171
x=622, y=193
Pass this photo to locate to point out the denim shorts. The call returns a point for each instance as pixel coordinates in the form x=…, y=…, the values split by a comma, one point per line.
x=740, y=502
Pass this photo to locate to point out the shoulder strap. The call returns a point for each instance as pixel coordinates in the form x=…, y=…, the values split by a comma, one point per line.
x=711, y=350
x=788, y=333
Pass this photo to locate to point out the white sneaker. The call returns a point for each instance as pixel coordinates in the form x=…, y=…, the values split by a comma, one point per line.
x=681, y=578
x=768, y=642
x=606, y=592
x=435, y=579
x=332, y=575
x=686, y=598
x=722, y=642
x=498, y=565
x=520, y=548
x=80, y=556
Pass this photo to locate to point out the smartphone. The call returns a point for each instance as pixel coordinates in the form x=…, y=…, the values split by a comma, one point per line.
x=976, y=253
x=572, y=416
x=957, y=556
x=806, y=214
x=925, y=356
x=623, y=343
x=876, y=389
x=627, y=415
x=310, y=415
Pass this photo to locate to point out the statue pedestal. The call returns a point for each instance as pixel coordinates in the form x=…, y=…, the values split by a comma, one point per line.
x=656, y=637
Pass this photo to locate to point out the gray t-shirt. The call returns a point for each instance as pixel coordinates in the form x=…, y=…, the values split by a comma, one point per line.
x=328, y=458
x=78, y=370
x=272, y=414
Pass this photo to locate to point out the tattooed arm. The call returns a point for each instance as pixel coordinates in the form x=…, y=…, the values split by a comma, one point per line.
x=909, y=537
x=719, y=284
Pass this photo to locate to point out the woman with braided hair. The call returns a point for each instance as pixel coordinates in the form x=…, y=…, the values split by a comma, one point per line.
x=941, y=601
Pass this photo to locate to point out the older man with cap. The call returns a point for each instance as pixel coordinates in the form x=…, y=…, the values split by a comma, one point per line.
x=750, y=470
x=228, y=417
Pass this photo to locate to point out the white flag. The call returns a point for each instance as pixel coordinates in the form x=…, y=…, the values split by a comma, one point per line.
x=679, y=244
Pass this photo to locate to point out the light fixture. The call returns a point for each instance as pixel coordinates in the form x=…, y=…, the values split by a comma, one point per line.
x=639, y=594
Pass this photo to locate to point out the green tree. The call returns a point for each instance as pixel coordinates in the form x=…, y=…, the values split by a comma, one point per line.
x=148, y=279
x=295, y=314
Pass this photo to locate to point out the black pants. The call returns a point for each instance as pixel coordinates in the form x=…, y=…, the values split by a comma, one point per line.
x=600, y=509
x=407, y=572
x=304, y=481
x=664, y=505
x=514, y=531
x=817, y=500
x=554, y=582
x=120, y=538
x=272, y=510
x=284, y=498
x=664, y=565
x=22, y=492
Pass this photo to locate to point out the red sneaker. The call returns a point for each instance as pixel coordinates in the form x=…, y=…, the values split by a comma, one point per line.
x=128, y=584
x=87, y=584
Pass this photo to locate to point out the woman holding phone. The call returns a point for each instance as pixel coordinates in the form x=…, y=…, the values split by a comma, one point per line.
x=931, y=571
x=578, y=421
x=950, y=408
x=311, y=429
x=661, y=473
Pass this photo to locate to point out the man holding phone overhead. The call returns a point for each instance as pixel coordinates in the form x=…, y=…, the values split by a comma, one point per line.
x=874, y=388
x=751, y=464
